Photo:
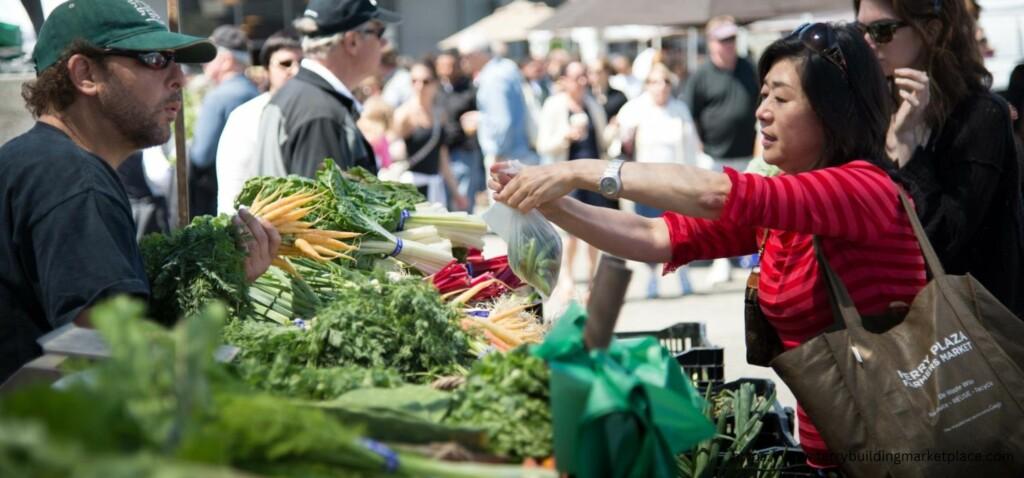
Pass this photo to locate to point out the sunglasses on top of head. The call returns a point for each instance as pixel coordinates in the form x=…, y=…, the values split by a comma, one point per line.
x=821, y=39
x=881, y=31
x=154, y=60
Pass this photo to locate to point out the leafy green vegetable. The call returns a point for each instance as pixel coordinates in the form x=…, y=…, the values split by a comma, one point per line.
x=369, y=321
x=407, y=414
x=195, y=265
x=162, y=395
x=507, y=395
x=356, y=201
x=27, y=450
x=400, y=324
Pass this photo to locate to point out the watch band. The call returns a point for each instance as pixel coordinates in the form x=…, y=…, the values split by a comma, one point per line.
x=610, y=185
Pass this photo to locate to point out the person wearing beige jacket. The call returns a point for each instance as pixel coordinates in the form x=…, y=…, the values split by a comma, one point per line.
x=573, y=126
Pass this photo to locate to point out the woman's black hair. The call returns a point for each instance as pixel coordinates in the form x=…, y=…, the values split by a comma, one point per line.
x=851, y=105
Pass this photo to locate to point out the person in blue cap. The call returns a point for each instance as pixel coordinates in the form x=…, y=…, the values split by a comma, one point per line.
x=108, y=83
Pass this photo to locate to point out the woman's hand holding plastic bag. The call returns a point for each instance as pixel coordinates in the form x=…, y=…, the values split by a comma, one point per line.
x=530, y=187
x=534, y=247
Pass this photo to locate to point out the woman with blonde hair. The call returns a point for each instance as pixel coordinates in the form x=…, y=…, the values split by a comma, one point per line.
x=657, y=128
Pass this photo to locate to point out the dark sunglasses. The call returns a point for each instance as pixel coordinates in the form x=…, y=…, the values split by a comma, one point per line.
x=881, y=32
x=154, y=60
x=821, y=39
x=378, y=32
x=286, y=63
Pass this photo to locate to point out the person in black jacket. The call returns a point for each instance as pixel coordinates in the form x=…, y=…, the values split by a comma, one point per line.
x=952, y=139
x=313, y=116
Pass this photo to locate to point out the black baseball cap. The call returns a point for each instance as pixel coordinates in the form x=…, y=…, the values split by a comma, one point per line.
x=337, y=16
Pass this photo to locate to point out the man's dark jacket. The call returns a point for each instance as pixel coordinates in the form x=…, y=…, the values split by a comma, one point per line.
x=307, y=121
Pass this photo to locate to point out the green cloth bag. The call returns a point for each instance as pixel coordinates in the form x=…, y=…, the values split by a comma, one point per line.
x=622, y=412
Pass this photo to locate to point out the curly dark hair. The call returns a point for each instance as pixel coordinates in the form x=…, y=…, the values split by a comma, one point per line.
x=52, y=90
x=952, y=59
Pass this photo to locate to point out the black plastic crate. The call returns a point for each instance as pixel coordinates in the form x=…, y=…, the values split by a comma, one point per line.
x=702, y=362
x=779, y=423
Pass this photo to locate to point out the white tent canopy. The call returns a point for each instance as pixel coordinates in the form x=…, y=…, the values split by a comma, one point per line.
x=510, y=23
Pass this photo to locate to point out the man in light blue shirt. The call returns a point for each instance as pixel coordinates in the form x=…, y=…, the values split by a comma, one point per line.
x=503, y=126
x=227, y=72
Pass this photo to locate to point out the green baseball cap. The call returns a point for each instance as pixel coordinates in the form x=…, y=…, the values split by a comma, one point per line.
x=116, y=24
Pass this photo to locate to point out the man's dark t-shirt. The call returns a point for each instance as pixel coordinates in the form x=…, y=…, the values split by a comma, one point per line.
x=67, y=239
x=722, y=104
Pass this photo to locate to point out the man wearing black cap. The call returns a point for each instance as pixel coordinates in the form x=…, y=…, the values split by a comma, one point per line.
x=107, y=84
x=314, y=115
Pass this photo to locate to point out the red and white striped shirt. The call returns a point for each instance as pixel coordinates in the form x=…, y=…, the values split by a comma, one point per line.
x=865, y=234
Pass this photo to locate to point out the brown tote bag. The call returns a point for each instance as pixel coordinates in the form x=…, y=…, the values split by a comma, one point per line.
x=940, y=393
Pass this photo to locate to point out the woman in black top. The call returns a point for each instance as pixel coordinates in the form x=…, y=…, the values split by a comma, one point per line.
x=612, y=100
x=420, y=122
x=951, y=138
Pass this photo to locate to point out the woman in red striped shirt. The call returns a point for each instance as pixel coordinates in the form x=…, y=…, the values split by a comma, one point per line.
x=821, y=124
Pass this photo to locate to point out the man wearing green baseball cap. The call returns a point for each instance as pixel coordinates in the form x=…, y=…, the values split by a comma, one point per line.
x=107, y=84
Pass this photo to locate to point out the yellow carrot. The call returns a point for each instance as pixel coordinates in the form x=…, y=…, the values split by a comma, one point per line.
x=338, y=234
x=510, y=312
x=257, y=202
x=473, y=291
x=308, y=250
x=334, y=244
x=500, y=332
x=290, y=202
x=325, y=251
x=286, y=266
x=451, y=294
x=287, y=216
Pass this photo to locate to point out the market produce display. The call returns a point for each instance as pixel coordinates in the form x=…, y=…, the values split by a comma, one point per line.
x=381, y=343
x=162, y=400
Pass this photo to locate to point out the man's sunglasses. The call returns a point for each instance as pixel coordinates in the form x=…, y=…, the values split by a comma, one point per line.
x=881, y=32
x=821, y=39
x=378, y=32
x=154, y=60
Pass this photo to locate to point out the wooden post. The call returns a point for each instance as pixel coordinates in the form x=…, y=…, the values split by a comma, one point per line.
x=180, y=151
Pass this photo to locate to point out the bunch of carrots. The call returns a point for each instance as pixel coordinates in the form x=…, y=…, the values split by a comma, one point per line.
x=300, y=238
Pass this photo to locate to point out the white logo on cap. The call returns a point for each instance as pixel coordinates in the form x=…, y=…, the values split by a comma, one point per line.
x=373, y=2
x=145, y=10
x=311, y=14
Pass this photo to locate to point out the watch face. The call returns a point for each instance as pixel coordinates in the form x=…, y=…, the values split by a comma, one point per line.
x=608, y=186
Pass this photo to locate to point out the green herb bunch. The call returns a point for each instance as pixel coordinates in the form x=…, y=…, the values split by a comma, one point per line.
x=272, y=359
x=507, y=395
x=194, y=265
x=399, y=324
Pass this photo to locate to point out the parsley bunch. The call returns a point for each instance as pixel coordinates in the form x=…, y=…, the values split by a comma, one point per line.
x=195, y=265
x=507, y=395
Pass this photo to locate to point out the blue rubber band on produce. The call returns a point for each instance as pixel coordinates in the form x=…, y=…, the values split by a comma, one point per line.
x=398, y=248
x=389, y=456
x=401, y=220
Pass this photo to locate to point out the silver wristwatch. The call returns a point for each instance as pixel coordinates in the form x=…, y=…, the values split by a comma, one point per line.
x=610, y=185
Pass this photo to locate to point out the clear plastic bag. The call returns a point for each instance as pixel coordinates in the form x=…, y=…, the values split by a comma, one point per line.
x=534, y=246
